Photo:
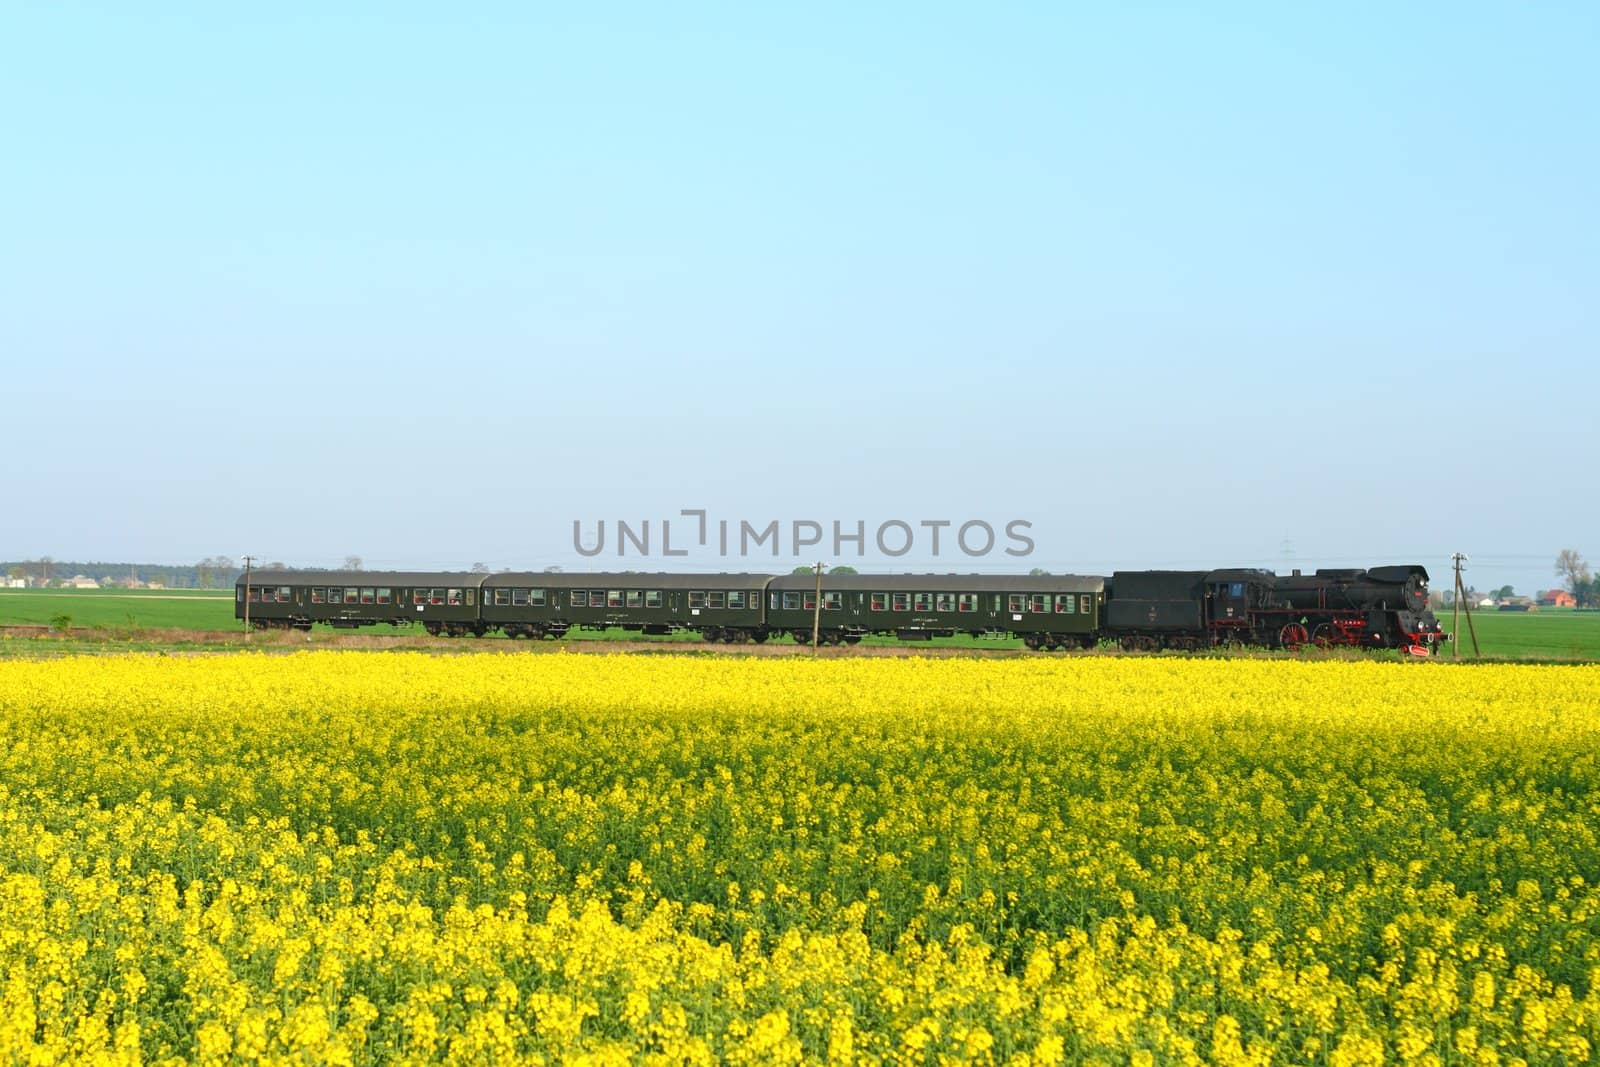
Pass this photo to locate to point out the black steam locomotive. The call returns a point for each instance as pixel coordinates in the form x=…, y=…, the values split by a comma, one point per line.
x=1384, y=607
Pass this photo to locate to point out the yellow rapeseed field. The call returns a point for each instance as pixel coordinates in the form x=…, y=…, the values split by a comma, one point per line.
x=356, y=858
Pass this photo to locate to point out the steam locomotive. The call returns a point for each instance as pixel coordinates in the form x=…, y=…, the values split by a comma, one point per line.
x=1380, y=607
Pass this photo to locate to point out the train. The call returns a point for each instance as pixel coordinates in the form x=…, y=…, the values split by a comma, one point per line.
x=1384, y=607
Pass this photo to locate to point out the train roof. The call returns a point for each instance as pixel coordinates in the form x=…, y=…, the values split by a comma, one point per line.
x=625, y=580
x=385, y=578
x=953, y=583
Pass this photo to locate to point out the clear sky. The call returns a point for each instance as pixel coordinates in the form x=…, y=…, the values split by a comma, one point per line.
x=1179, y=284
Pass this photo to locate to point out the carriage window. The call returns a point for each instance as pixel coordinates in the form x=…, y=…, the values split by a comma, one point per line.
x=697, y=598
x=1085, y=605
x=384, y=596
x=791, y=601
x=368, y=594
x=717, y=600
x=1039, y=602
x=923, y=601
x=901, y=601
x=1236, y=590
x=880, y=602
x=652, y=598
x=736, y=600
x=1016, y=602
x=579, y=598
x=832, y=601
x=352, y=595
x=635, y=598
x=1065, y=604
x=538, y=598
x=502, y=597
x=808, y=601
x=967, y=602
x=453, y=598
x=515, y=597
x=944, y=602
x=597, y=598
x=614, y=598
x=318, y=595
x=472, y=597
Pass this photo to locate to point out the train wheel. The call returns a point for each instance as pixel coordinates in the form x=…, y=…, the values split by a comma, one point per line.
x=1325, y=636
x=711, y=635
x=732, y=637
x=1293, y=636
x=853, y=639
x=1033, y=641
x=801, y=637
x=759, y=636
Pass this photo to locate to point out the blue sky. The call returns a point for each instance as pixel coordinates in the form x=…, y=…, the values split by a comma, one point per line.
x=1178, y=284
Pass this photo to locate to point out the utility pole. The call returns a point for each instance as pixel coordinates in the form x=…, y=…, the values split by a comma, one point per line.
x=1455, y=627
x=1458, y=559
x=816, y=611
x=248, y=561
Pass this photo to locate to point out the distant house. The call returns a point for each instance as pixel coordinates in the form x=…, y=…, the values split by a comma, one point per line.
x=16, y=583
x=81, y=581
x=1518, y=603
x=1557, y=598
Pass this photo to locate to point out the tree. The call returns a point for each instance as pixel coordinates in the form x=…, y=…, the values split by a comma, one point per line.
x=1503, y=592
x=352, y=563
x=845, y=568
x=1580, y=580
x=480, y=568
x=1037, y=572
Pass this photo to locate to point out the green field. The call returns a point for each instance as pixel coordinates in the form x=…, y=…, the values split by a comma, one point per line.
x=122, y=609
x=1551, y=634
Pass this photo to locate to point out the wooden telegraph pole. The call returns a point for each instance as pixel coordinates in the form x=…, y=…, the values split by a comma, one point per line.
x=1458, y=559
x=816, y=611
x=248, y=560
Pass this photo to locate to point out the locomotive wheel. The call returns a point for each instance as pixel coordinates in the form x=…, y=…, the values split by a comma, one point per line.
x=1325, y=636
x=1129, y=644
x=1293, y=636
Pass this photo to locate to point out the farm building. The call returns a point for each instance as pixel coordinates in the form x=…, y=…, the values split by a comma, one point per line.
x=1557, y=598
x=1518, y=603
x=81, y=581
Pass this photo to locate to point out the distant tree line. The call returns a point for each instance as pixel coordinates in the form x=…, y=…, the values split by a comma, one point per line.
x=215, y=572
